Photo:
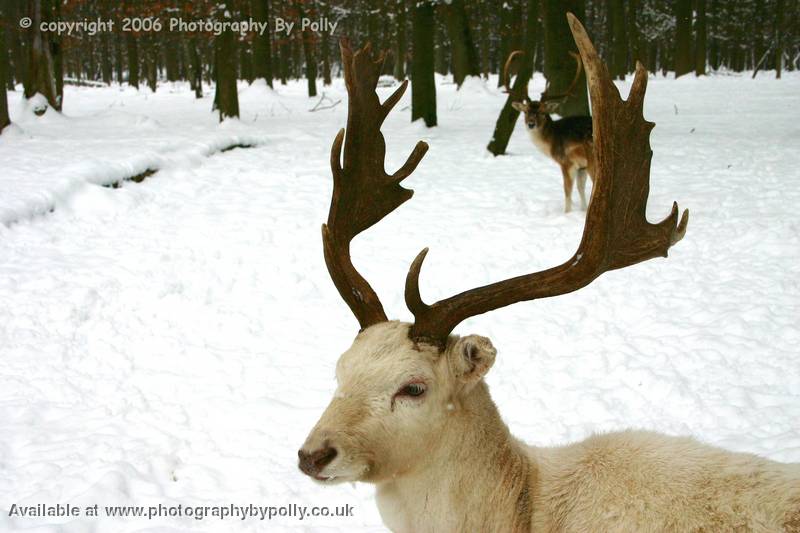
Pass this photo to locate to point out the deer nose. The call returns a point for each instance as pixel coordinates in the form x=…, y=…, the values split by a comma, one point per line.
x=312, y=463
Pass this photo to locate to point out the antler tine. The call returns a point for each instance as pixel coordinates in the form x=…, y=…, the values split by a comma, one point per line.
x=546, y=97
x=363, y=193
x=506, y=76
x=616, y=232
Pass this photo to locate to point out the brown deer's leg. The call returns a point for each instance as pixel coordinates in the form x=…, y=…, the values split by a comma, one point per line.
x=568, y=180
x=582, y=187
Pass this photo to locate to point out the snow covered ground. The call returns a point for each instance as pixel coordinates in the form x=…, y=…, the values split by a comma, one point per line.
x=172, y=342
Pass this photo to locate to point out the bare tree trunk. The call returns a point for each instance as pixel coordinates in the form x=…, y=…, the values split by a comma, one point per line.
x=226, y=98
x=620, y=50
x=508, y=115
x=106, y=59
x=262, y=45
x=197, y=68
x=683, y=37
x=42, y=63
x=171, y=45
x=151, y=55
x=713, y=52
x=779, y=7
x=423, y=85
x=4, y=120
x=465, y=56
x=700, y=39
x=485, y=39
x=133, y=60
x=308, y=52
x=400, y=42
x=284, y=57
x=118, y=57
x=325, y=51
x=245, y=65
x=511, y=37
x=637, y=52
x=442, y=64
x=559, y=65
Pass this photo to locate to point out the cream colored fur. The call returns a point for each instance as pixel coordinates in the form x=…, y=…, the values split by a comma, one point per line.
x=446, y=461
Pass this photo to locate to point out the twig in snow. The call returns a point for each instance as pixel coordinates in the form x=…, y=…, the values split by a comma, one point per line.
x=323, y=98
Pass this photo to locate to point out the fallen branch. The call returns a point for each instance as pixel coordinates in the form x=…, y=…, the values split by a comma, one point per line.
x=323, y=98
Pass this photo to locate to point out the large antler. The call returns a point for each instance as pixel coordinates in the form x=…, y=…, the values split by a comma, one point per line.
x=507, y=67
x=616, y=232
x=545, y=97
x=363, y=193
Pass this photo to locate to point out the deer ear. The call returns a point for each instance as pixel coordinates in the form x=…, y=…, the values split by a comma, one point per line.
x=550, y=107
x=470, y=358
x=520, y=106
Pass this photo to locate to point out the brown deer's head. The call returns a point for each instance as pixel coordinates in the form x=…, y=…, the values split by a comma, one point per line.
x=537, y=112
x=399, y=384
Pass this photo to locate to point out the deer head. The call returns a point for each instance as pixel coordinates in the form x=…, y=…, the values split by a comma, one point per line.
x=536, y=112
x=400, y=383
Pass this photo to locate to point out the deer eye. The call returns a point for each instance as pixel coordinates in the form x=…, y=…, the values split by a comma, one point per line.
x=413, y=390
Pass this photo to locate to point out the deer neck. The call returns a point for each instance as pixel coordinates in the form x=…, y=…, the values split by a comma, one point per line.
x=542, y=134
x=477, y=477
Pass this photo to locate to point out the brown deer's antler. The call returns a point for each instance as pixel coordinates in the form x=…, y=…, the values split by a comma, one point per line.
x=507, y=66
x=549, y=97
x=616, y=232
x=363, y=193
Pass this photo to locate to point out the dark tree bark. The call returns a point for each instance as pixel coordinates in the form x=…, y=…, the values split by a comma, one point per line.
x=713, y=52
x=118, y=57
x=284, y=59
x=484, y=36
x=4, y=120
x=171, y=45
x=511, y=35
x=308, y=52
x=197, y=69
x=262, y=44
x=226, y=98
x=106, y=59
x=465, y=56
x=400, y=41
x=619, y=63
x=42, y=63
x=559, y=65
x=683, y=37
x=508, y=115
x=637, y=52
x=296, y=64
x=423, y=86
x=779, y=8
x=442, y=62
x=151, y=55
x=325, y=51
x=6, y=43
x=133, y=60
x=700, y=39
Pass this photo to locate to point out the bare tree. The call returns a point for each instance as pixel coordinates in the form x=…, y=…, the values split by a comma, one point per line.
x=465, y=55
x=700, y=39
x=4, y=120
x=308, y=52
x=423, y=85
x=559, y=66
x=262, y=44
x=226, y=97
x=44, y=56
x=683, y=37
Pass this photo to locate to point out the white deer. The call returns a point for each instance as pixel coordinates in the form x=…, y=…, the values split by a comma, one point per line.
x=412, y=413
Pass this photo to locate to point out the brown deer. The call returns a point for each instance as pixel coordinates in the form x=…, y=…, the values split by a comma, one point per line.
x=568, y=141
x=413, y=415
